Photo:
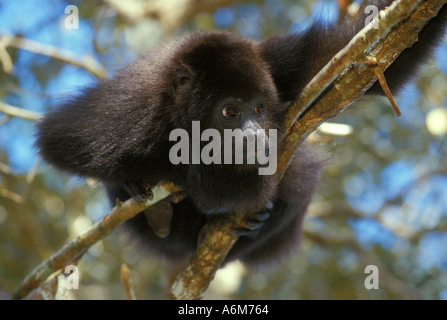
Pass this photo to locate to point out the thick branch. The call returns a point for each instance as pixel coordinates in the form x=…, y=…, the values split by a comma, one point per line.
x=216, y=243
x=354, y=52
x=360, y=76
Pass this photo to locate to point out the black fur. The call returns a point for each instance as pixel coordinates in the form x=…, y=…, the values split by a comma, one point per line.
x=117, y=131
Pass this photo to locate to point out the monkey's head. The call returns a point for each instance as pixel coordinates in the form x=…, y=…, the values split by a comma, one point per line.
x=226, y=83
x=220, y=80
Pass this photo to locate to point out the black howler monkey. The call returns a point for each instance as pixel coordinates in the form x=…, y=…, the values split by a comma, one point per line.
x=118, y=130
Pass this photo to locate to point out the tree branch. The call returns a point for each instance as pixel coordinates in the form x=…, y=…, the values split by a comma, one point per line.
x=19, y=112
x=73, y=250
x=360, y=76
x=87, y=62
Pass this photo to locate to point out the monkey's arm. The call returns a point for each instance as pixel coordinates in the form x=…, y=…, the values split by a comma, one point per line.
x=108, y=132
x=84, y=138
x=296, y=58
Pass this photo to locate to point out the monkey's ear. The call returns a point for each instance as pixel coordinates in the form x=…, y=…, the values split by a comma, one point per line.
x=182, y=76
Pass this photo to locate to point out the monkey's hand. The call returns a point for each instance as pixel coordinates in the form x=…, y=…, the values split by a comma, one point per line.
x=255, y=222
x=140, y=190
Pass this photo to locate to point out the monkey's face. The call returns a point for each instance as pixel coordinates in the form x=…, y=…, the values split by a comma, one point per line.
x=239, y=104
x=234, y=128
x=247, y=124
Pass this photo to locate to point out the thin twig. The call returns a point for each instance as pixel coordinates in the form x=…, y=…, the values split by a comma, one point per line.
x=127, y=282
x=19, y=112
x=87, y=62
x=381, y=77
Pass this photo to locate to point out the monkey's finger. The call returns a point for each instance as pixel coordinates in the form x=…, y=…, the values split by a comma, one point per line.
x=262, y=216
x=250, y=230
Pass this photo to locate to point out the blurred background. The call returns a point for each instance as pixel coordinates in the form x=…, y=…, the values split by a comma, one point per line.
x=382, y=199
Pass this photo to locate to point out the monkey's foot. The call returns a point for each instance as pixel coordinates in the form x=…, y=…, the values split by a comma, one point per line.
x=140, y=190
x=255, y=223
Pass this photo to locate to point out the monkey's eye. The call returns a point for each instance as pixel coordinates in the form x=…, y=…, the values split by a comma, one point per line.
x=259, y=108
x=230, y=111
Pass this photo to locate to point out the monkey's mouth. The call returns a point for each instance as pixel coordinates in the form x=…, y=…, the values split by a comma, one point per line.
x=248, y=156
